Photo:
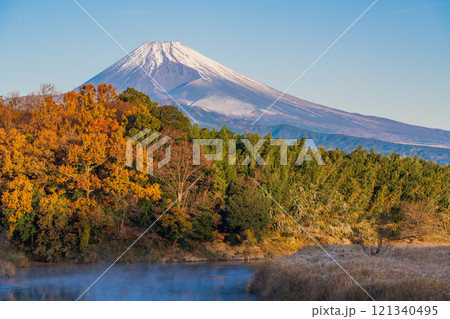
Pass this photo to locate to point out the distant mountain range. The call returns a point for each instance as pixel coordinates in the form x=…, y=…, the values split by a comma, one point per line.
x=215, y=95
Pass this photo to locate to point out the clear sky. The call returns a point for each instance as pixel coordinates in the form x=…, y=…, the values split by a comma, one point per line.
x=394, y=63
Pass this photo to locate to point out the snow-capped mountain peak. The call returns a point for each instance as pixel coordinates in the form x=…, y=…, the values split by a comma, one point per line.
x=171, y=69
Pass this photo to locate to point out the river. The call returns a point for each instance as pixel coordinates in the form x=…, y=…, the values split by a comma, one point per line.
x=135, y=282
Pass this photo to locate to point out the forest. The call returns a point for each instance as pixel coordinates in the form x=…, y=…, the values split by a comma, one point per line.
x=66, y=194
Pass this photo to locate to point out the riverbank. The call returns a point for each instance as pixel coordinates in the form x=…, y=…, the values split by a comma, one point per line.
x=149, y=250
x=10, y=261
x=10, y=257
x=155, y=249
x=401, y=272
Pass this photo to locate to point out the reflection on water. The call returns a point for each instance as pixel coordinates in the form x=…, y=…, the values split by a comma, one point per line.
x=194, y=281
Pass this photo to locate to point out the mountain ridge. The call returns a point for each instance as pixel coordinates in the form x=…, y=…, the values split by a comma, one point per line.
x=197, y=81
x=328, y=141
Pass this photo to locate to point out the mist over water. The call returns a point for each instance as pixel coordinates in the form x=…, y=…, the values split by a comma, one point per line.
x=187, y=281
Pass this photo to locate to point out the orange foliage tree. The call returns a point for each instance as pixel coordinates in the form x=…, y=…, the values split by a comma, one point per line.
x=62, y=169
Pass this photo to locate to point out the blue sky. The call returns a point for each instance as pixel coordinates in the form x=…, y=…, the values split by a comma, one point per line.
x=394, y=63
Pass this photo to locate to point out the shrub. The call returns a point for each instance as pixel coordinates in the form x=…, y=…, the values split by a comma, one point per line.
x=7, y=269
x=202, y=226
x=247, y=209
x=419, y=220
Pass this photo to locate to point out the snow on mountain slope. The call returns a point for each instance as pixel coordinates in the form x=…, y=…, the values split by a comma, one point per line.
x=198, y=82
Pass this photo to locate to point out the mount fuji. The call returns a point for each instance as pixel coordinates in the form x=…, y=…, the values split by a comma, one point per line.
x=213, y=95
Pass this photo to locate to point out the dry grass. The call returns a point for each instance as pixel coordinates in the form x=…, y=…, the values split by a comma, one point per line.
x=10, y=258
x=7, y=269
x=9, y=261
x=401, y=273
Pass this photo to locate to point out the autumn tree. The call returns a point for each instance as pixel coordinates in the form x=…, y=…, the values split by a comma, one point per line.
x=125, y=188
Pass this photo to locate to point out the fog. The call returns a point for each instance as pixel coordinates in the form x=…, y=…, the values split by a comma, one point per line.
x=187, y=281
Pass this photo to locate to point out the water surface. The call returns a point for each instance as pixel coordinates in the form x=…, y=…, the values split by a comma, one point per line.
x=186, y=281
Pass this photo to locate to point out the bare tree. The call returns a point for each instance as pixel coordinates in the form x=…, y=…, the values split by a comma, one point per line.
x=419, y=219
x=180, y=172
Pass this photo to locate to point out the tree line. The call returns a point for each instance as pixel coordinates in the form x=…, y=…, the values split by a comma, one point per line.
x=65, y=189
